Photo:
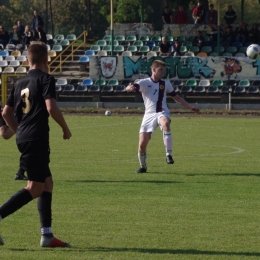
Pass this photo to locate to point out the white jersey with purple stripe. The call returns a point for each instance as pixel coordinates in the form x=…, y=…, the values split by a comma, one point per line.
x=154, y=94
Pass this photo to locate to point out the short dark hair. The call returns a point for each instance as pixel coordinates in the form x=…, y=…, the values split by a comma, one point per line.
x=37, y=52
x=211, y=5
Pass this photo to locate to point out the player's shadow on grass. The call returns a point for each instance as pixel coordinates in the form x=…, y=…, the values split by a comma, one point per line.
x=174, y=251
x=126, y=181
x=224, y=174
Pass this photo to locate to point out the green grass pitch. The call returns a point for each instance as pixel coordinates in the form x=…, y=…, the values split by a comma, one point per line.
x=205, y=206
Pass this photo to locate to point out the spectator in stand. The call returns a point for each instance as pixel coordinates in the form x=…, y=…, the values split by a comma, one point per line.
x=27, y=36
x=41, y=35
x=241, y=33
x=167, y=16
x=15, y=38
x=181, y=16
x=20, y=28
x=228, y=36
x=230, y=15
x=253, y=34
x=4, y=36
x=198, y=14
x=165, y=47
x=198, y=40
x=36, y=21
x=176, y=48
x=212, y=17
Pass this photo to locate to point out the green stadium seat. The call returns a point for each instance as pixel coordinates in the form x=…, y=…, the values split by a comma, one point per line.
x=57, y=48
x=101, y=43
x=217, y=83
x=183, y=50
x=207, y=49
x=132, y=48
x=144, y=49
x=131, y=38
x=120, y=38
x=144, y=38
x=244, y=83
x=115, y=43
x=181, y=39
x=71, y=37
x=157, y=39
x=107, y=48
x=232, y=50
x=65, y=43
x=188, y=44
x=95, y=48
x=156, y=49
x=195, y=49
x=138, y=43
x=59, y=37
x=107, y=38
x=119, y=49
x=169, y=38
x=112, y=82
x=191, y=82
x=100, y=82
x=243, y=49
x=221, y=49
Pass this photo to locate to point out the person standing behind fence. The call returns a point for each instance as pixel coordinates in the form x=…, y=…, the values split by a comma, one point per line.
x=167, y=16
x=181, y=16
x=36, y=21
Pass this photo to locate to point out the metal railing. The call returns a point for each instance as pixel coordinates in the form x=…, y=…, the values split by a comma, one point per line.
x=60, y=56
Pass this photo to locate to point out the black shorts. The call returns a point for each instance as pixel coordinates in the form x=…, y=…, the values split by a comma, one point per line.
x=35, y=158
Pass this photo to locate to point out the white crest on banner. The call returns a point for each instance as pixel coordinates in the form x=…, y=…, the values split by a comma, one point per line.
x=107, y=66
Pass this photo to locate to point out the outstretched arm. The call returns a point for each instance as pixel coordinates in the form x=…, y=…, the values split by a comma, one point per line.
x=184, y=103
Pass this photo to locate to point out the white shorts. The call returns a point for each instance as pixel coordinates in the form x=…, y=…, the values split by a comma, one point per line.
x=151, y=121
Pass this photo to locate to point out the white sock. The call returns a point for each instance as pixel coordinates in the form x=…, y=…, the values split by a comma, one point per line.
x=142, y=159
x=167, y=140
x=46, y=230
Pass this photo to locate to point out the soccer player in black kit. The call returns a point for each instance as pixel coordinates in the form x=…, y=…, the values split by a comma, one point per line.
x=31, y=101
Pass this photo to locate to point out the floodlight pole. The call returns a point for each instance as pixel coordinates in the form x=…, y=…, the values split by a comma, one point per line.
x=112, y=26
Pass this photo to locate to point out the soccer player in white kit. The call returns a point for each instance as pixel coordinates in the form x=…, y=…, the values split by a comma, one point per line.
x=154, y=91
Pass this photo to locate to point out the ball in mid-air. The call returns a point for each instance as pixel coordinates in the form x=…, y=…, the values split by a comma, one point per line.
x=253, y=51
x=108, y=113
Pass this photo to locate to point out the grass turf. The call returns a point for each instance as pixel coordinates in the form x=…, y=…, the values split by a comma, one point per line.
x=205, y=206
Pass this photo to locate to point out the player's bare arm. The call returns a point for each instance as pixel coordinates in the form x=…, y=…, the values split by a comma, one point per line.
x=184, y=103
x=130, y=88
x=55, y=113
x=8, y=116
x=6, y=132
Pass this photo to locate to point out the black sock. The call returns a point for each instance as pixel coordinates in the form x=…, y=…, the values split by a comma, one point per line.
x=15, y=202
x=44, y=208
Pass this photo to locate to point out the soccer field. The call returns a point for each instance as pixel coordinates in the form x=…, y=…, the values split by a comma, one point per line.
x=205, y=206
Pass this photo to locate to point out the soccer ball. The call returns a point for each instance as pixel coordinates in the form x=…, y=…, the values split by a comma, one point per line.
x=253, y=51
x=108, y=113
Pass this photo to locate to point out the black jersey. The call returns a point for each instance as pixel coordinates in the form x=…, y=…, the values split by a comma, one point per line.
x=28, y=97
